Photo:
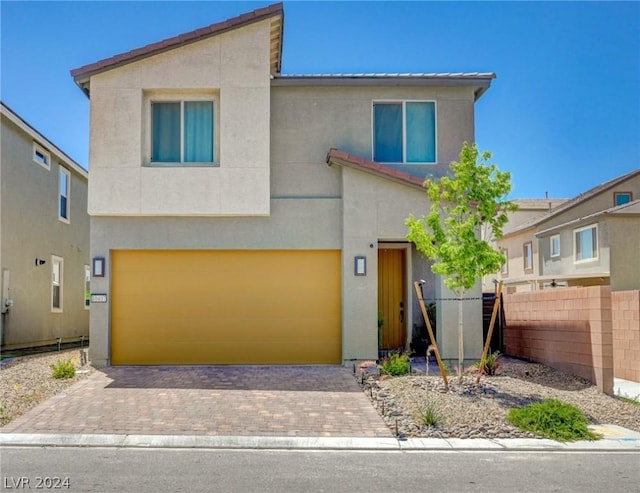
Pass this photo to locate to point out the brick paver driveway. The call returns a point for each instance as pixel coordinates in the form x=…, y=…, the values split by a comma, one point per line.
x=305, y=401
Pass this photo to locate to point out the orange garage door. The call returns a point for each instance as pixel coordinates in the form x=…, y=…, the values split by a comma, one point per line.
x=225, y=307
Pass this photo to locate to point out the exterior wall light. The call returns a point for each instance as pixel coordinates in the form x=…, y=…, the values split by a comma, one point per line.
x=98, y=266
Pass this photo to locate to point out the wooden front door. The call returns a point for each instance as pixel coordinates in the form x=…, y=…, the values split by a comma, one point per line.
x=392, y=306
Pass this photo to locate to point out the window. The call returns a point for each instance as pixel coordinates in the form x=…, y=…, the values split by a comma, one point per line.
x=505, y=267
x=404, y=132
x=87, y=287
x=527, y=253
x=586, y=243
x=64, y=180
x=56, y=283
x=41, y=156
x=554, y=245
x=182, y=132
x=620, y=198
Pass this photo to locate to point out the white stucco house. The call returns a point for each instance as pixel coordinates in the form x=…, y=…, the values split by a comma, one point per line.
x=244, y=216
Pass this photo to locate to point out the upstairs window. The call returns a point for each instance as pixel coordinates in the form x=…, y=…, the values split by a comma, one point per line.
x=63, y=194
x=41, y=156
x=182, y=132
x=554, y=245
x=404, y=132
x=527, y=252
x=505, y=267
x=586, y=243
x=620, y=198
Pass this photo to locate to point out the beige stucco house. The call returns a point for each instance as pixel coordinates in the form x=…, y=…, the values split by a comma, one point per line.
x=44, y=239
x=589, y=240
x=247, y=216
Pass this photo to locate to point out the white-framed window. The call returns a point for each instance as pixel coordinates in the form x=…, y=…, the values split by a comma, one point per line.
x=620, y=198
x=505, y=267
x=554, y=245
x=87, y=287
x=64, y=187
x=41, y=156
x=182, y=131
x=527, y=255
x=404, y=132
x=585, y=243
x=57, y=276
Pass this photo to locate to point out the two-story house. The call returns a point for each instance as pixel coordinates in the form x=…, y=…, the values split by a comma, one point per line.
x=44, y=239
x=240, y=215
x=589, y=240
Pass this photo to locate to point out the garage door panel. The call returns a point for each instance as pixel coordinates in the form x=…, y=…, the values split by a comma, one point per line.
x=226, y=307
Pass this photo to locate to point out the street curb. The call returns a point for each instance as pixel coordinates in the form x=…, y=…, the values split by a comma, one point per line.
x=312, y=443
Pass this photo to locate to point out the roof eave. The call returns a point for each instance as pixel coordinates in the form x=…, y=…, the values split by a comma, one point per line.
x=38, y=136
x=82, y=75
x=341, y=158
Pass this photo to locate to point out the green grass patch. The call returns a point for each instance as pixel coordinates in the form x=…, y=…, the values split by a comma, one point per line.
x=63, y=369
x=553, y=419
x=395, y=364
x=628, y=400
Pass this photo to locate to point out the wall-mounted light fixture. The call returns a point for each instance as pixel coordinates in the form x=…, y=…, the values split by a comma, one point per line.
x=360, y=265
x=98, y=266
x=40, y=261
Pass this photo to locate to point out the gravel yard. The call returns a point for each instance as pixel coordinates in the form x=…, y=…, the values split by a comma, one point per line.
x=27, y=381
x=465, y=410
x=470, y=410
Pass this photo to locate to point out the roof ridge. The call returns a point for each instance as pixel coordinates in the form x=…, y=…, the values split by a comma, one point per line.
x=578, y=199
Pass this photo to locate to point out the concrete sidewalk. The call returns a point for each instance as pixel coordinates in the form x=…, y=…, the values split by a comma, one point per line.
x=615, y=439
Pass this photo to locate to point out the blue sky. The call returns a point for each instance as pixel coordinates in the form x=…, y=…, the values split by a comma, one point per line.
x=562, y=116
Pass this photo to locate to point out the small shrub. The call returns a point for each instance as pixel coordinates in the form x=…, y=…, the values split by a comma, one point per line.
x=63, y=369
x=553, y=419
x=428, y=414
x=395, y=364
x=489, y=364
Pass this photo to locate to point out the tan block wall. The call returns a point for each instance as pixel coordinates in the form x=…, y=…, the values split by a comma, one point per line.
x=568, y=329
x=625, y=306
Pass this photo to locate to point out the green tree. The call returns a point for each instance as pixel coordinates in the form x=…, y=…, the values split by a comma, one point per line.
x=467, y=208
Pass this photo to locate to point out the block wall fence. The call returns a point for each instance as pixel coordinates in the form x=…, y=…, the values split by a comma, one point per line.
x=625, y=311
x=569, y=329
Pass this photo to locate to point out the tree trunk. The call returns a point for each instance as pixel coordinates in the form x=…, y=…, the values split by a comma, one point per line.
x=460, y=339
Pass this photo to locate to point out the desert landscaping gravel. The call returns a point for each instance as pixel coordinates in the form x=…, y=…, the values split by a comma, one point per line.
x=465, y=410
x=28, y=380
x=470, y=410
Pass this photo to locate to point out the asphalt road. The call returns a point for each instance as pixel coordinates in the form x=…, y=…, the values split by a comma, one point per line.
x=187, y=470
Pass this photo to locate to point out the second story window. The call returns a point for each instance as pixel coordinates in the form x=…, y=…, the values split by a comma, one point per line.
x=620, y=198
x=527, y=252
x=404, y=132
x=505, y=267
x=585, y=243
x=41, y=156
x=182, y=132
x=64, y=180
x=554, y=244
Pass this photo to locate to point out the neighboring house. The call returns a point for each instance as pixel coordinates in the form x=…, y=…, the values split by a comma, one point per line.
x=528, y=209
x=44, y=239
x=246, y=216
x=589, y=240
